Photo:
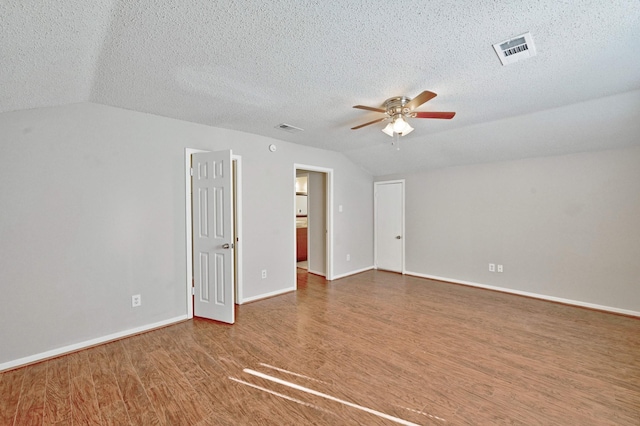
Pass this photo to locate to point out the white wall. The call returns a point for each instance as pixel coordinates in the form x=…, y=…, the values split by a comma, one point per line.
x=93, y=211
x=566, y=227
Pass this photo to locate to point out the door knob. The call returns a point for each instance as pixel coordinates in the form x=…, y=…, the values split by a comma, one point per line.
x=398, y=237
x=226, y=246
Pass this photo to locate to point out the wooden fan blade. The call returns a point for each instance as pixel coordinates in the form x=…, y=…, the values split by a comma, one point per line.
x=369, y=108
x=433, y=114
x=371, y=122
x=420, y=99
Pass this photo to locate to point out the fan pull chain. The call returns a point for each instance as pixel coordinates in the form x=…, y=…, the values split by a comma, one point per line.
x=396, y=141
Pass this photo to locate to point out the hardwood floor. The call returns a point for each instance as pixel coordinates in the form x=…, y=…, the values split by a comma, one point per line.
x=375, y=348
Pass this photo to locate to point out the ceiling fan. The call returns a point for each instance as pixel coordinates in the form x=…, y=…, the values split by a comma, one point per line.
x=398, y=109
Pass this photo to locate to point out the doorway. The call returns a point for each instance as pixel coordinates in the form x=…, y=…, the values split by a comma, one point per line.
x=302, y=219
x=313, y=219
x=389, y=233
x=236, y=243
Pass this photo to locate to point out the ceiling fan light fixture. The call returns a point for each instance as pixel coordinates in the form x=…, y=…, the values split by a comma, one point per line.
x=399, y=124
x=408, y=129
x=388, y=129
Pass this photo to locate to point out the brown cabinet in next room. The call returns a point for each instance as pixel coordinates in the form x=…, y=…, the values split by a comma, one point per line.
x=301, y=244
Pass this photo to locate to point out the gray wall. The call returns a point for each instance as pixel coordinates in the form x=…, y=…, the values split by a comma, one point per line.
x=317, y=223
x=565, y=226
x=93, y=211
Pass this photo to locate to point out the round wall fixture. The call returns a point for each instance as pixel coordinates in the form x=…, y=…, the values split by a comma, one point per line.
x=272, y=148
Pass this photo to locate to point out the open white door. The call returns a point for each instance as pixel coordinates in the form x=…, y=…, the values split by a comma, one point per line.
x=213, y=236
x=389, y=225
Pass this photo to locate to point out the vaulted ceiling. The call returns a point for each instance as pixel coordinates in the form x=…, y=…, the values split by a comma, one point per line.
x=250, y=65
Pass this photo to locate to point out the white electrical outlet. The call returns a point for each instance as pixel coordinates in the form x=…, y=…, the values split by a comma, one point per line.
x=136, y=300
x=492, y=267
x=500, y=268
x=348, y=257
x=264, y=273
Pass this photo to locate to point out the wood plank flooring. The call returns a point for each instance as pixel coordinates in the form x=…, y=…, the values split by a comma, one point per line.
x=373, y=349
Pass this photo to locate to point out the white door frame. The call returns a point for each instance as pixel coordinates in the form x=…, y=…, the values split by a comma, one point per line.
x=329, y=216
x=375, y=221
x=189, y=227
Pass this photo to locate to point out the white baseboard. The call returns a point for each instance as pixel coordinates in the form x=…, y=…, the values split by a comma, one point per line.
x=320, y=274
x=88, y=343
x=266, y=295
x=533, y=295
x=368, y=268
x=287, y=290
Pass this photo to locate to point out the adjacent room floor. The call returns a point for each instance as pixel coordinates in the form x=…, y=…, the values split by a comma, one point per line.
x=375, y=348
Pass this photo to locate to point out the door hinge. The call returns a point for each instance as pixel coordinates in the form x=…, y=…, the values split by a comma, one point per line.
x=191, y=171
x=193, y=291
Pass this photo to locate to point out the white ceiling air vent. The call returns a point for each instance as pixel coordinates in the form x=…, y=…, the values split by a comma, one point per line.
x=515, y=49
x=288, y=128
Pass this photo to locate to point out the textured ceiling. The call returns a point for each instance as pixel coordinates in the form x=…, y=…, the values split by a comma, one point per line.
x=250, y=65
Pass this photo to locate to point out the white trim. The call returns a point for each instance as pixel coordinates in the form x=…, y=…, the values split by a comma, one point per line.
x=375, y=221
x=329, y=216
x=267, y=295
x=89, y=343
x=238, y=217
x=188, y=225
x=358, y=271
x=532, y=295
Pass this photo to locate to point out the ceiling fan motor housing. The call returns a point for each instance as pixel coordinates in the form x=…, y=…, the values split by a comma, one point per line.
x=395, y=106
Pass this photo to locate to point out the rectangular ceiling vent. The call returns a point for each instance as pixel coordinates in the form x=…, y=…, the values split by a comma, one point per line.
x=288, y=128
x=515, y=49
